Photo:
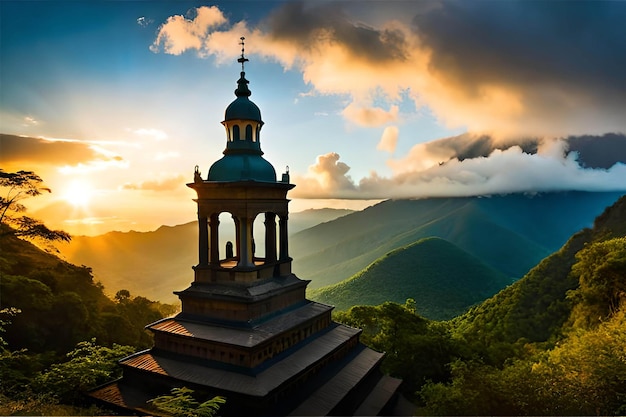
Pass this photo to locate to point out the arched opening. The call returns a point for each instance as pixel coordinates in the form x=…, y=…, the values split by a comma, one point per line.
x=248, y=132
x=227, y=244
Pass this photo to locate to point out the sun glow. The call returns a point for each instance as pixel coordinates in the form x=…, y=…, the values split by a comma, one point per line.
x=78, y=193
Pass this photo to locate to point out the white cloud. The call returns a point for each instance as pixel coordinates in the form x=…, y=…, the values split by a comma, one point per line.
x=388, y=140
x=180, y=33
x=144, y=21
x=155, y=134
x=370, y=116
x=501, y=172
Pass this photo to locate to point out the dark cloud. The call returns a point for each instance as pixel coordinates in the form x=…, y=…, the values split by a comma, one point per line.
x=593, y=151
x=557, y=44
x=599, y=151
x=17, y=149
x=304, y=24
x=468, y=146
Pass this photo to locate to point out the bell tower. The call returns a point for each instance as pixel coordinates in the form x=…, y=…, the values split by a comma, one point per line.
x=246, y=330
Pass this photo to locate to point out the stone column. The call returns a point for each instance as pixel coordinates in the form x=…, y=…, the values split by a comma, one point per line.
x=270, y=237
x=284, y=244
x=244, y=242
x=214, y=255
x=203, y=241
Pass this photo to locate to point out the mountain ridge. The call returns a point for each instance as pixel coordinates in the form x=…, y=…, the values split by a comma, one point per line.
x=422, y=271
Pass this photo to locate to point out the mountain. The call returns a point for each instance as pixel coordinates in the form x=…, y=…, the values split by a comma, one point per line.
x=60, y=304
x=537, y=307
x=443, y=279
x=157, y=263
x=510, y=233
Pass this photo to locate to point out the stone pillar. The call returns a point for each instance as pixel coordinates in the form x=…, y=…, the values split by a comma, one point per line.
x=284, y=244
x=270, y=237
x=214, y=247
x=203, y=241
x=244, y=242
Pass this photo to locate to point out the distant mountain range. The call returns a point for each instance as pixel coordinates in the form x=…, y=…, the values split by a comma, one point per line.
x=154, y=264
x=507, y=234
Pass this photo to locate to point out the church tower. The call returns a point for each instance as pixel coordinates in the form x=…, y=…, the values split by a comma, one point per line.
x=246, y=330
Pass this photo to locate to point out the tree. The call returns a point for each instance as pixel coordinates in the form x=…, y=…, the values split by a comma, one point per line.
x=89, y=365
x=19, y=186
x=600, y=269
x=182, y=404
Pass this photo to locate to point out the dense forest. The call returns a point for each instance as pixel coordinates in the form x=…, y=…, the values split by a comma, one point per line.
x=552, y=343
x=60, y=333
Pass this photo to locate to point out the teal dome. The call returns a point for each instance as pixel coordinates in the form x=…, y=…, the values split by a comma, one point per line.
x=242, y=167
x=242, y=108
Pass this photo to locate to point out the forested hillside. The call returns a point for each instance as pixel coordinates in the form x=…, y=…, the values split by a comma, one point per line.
x=50, y=309
x=443, y=280
x=550, y=344
x=510, y=233
x=60, y=304
x=537, y=306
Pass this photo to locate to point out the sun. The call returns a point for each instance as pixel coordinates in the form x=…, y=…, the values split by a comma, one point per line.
x=78, y=193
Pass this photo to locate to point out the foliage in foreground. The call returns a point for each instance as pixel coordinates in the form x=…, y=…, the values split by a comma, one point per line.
x=29, y=389
x=181, y=403
x=18, y=186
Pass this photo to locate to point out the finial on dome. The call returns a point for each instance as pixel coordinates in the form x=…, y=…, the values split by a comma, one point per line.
x=242, y=84
x=243, y=58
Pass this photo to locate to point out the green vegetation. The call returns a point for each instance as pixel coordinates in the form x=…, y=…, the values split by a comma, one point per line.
x=181, y=403
x=510, y=233
x=59, y=333
x=17, y=187
x=428, y=271
x=61, y=305
x=550, y=344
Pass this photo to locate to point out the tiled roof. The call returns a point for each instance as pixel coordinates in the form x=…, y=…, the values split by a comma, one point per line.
x=246, y=337
x=261, y=384
x=245, y=290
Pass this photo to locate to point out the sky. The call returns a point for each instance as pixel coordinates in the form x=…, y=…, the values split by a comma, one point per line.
x=113, y=103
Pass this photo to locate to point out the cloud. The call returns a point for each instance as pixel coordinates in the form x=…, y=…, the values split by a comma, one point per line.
x=155, y=134
x=505, y=68
x=28, y=150
x=161, y=156
x=435, y=169
x=180, y=33
x=144, y=21
x=30, y=121
x=327, y=176
x=162, y=184
x=370, y=116
x=388, y=140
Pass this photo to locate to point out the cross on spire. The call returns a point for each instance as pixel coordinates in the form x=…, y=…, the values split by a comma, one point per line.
x=243, y=58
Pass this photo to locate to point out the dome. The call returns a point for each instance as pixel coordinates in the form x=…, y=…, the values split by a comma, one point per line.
x=243, y=109
x=242, y=167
